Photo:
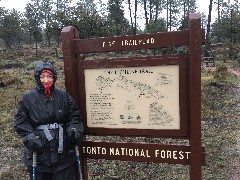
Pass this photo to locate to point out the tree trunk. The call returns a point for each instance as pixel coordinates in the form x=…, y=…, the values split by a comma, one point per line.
x=170, y=16
x=36, y=46
x=130, y=12
x=218, y=24
x=156, y=15
x=135, y=18
x=207, y=44
x=150, y=10
x=145, y=10
x=167, y=14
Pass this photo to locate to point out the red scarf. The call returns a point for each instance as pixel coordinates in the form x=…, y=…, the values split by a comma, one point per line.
x=47, y=88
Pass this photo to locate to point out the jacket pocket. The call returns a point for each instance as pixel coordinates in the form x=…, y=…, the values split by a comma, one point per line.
x=43, y=157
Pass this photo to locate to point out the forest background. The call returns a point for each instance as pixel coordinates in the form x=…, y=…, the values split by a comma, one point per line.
x=42, y=20
x=34, y=34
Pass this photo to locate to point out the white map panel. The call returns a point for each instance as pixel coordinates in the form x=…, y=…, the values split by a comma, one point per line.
x=133, y=97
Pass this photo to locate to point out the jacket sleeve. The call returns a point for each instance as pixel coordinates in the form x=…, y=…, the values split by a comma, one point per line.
x=74, y=120
x=24, y=128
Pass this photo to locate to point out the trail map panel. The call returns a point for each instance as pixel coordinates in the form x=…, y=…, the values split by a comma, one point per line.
x=133, y=97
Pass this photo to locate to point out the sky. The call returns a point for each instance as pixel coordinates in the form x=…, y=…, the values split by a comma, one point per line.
x=20, y=5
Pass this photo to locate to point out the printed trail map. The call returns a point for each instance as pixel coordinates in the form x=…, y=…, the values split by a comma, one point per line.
x=133, y=97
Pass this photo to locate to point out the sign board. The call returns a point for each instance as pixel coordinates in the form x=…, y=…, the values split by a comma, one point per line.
x=141, y=152
x=138, y=94
x=157, y=96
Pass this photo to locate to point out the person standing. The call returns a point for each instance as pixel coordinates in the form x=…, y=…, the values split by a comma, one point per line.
x=50, y=125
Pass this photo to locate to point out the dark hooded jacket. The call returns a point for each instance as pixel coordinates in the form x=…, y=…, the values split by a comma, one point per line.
x=36, y=109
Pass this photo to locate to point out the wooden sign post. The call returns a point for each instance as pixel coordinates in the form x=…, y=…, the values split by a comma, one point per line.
x=154, y=96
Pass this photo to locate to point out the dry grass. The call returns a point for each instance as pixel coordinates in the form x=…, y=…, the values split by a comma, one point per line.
x=220, y=130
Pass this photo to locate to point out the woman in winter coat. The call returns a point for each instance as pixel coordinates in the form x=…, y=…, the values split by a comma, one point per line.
x=49, y=124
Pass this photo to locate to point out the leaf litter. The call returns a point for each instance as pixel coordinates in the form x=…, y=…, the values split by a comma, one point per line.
x=220, y=130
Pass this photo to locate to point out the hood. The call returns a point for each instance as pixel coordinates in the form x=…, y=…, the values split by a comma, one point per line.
x=37, y=71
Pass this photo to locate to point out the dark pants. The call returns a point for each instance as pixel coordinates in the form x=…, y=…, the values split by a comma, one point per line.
x=65, y=174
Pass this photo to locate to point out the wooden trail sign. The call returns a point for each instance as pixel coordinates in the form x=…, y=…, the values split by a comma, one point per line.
x=155, y=96
x=141, y=152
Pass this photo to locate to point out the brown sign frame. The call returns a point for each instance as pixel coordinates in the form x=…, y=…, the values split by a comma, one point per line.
x=180, y=60
x=192, y=38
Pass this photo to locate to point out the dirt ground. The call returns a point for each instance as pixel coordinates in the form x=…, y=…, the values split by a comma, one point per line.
x=233, y=160
x=17, y=82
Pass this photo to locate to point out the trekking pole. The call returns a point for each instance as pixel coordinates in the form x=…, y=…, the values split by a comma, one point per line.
x=78, y=162
x=34, y=165
x=78, y=158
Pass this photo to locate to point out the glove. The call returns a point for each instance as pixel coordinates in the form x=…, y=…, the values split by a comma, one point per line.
x=75, y=137
x=34, y=143
x=75, y=132
x=72, y=139
x=78, y=137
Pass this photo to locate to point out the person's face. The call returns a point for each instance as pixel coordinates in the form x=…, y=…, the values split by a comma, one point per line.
x=46, y=78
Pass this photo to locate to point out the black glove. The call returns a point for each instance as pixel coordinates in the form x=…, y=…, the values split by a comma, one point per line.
x=78, y=137
x=75, y=137
x=34, y=143
x=74, y=134
x=72, y=139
